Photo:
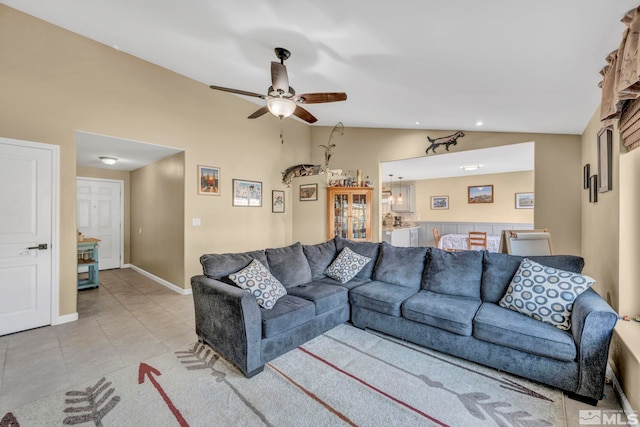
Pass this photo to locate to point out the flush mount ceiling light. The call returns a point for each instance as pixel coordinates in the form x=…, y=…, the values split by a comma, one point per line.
x=281, y=107
x=108, y=160
x=471, y=167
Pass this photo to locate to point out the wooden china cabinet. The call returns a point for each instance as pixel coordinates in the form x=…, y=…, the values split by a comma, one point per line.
x=349, y=213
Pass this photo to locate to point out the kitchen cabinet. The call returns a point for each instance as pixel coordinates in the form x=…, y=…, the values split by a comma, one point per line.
x=404, y=237
x=349, y=213
x=404, y=203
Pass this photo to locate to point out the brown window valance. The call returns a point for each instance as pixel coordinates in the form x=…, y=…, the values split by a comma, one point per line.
x=621, y=83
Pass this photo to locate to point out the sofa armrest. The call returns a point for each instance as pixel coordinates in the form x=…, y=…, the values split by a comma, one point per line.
x=592, y=322
x=228, y=318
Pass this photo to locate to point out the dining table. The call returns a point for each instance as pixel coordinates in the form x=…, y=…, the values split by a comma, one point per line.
x=461, y=242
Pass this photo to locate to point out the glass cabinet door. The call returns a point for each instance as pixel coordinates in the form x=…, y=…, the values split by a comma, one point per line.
x=341, y=215
x=359, y=216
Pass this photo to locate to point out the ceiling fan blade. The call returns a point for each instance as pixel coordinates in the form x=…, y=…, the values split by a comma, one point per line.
x=304, y=115
x=259, y=112
x=238, y=91
x=279, y=77
x=318, y=98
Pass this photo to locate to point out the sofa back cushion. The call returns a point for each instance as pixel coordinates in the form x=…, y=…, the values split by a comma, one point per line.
x=453, y=273
x=400, y=266
x=220, y=266
x=368, y=249
x=319, y=257
x=289, y=265
x=498, y=271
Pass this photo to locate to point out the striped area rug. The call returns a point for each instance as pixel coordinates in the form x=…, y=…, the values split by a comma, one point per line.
x=344, y=377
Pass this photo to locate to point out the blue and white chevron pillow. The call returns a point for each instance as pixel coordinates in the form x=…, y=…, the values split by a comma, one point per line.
x=346, y=265
x=258, y=280
x=545, y=293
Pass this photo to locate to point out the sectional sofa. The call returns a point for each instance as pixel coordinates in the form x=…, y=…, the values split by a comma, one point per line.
x=447, y=301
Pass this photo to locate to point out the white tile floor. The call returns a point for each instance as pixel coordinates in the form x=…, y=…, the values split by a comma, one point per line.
x=127, y=319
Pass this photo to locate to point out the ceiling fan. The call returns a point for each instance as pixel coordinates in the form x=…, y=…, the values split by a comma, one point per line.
x=282, y=100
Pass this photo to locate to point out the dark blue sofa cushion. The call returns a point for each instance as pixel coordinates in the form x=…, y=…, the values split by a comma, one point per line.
x=220, y=266
x=381, y=297
x=353, y=283
x=325, y=297
x=320, y=256
x=451, y=313
x=453, y=273
x=400, y=266
x=367, y=249
x=289, y=265
x=499, y=269
x=504, y=327
x=290, y=311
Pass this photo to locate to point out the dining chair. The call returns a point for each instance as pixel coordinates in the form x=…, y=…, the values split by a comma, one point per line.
x=478, y=239
x=436, y=237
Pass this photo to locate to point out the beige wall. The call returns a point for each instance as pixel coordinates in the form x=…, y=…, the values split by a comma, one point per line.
x=600, y=221
x=558, y=169
x=124, y=176
x=157, y=206
x=54, y=82
x=503, y=208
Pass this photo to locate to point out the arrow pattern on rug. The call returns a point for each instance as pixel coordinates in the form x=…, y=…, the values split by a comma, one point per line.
x=504, y=382
x=149, y=371
x=471, y=401
x=91, y=396
x=9, y=420
x=200, y=356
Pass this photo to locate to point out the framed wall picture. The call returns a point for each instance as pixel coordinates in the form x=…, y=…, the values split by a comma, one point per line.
x=593, y=189
x=605, y=155
x=308, y=192
x=586, y=173
x=247, y=193
x=481, y=194
x=277, y=201
x=439, y=202
x=524, y=201
x=208, y=180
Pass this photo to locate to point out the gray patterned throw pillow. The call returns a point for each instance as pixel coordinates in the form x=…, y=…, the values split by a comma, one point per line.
x=545, y=293
x=256, y=279
x=346, y=265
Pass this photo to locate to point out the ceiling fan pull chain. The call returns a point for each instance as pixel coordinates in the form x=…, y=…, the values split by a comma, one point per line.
x=281, y=131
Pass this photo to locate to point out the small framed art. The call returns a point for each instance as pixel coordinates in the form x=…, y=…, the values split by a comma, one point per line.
x=308, y=192
x=277, y=201
x=593, y=189
x=439, y=202
x=586, y=173
x=481, y=194
x=605, y=154
x=209, y=180
x=524, y=201
x=247, y=193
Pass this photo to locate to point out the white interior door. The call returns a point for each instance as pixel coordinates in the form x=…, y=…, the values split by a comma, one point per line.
x=99, y=215
x=26, y=189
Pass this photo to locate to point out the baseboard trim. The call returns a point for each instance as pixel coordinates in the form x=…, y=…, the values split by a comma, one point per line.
x=624, y=402
x=59, y=320
x=160, y=280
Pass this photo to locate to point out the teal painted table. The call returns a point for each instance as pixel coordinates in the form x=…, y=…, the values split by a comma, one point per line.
x=88, y=256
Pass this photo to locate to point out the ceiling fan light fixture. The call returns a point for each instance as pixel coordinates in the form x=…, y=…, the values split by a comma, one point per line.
x=281, y=107
x=108, y=160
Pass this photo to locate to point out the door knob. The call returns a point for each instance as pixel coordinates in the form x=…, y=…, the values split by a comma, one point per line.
x=40, y=247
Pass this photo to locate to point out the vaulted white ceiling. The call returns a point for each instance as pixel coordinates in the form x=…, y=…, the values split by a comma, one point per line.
x=517, y=66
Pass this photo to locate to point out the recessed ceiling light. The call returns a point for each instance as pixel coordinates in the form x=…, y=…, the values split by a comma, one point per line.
x=471, y=167
x=417, y=123
x=479, y=123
